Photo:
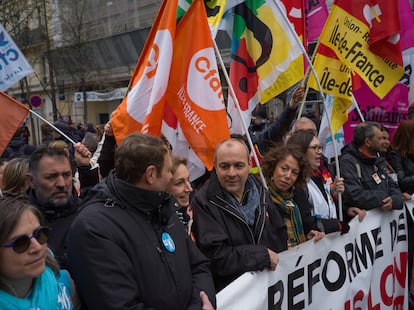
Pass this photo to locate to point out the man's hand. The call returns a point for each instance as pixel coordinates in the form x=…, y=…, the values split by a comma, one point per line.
x=205, y=302
x=353, y=211
x=387, y=204
x=315, y=234
x=82, y=154
x=274, y=259
x=406, y=196
x=297, y=96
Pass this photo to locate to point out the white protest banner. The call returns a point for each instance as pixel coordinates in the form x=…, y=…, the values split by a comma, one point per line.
x=13, y=64
x=363, y=269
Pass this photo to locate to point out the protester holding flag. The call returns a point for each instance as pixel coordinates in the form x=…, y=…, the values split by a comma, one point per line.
x=320, y=190
x=235, y=223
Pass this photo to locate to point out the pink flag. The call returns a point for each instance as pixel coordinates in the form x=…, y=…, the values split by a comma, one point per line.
x=316, y=15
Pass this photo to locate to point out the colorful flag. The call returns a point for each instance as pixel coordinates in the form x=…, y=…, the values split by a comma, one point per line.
x=14, y=65
x=316, y=15
x=266, y=58
x=215, y=10
x=11, y=117
x=143, y=107
x=194, y=91
x=353, y=31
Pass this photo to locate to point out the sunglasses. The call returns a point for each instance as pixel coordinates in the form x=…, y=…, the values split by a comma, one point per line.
x=22, y=243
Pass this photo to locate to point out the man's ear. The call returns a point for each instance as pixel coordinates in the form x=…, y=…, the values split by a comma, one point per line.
x=150, y=174
x=29, y=180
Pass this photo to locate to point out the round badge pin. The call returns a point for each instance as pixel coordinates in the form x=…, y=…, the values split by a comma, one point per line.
x=168, y=242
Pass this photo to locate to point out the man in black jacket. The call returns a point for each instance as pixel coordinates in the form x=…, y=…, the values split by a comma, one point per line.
x=126, y=247
x=52, y=191
x=367, y=184
x=236, y=224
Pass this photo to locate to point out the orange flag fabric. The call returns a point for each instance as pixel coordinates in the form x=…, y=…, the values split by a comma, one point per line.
x=194, y=91
x=11, y=117
x=143, y=107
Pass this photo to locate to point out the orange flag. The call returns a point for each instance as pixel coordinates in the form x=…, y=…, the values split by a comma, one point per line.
x=142, y=109
x=194, y=91
x=11, y=116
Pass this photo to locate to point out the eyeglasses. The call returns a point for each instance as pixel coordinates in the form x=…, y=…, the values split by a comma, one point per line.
x=22, y=243
x=316, y=148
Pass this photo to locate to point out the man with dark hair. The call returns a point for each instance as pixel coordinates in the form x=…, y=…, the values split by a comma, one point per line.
x=126, y=248
x=235, y=223
x=367, y=184
x=52, y=192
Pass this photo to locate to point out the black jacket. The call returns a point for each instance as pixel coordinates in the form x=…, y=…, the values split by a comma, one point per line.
x=227, y=240
x=361, y=189
x=117, y=256
x=405, y=172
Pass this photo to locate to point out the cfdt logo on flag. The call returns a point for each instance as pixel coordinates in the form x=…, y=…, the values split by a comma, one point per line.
x=203, y=74
x=13, y=64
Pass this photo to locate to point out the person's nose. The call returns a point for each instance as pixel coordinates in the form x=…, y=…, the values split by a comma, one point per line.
x=35, y=246
x=231, y=171
x=61, y=181
x=188, y=187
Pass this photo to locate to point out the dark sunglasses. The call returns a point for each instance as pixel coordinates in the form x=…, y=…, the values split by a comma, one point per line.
x=22, y=243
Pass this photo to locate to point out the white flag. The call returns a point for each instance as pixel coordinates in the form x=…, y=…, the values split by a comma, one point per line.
x=13, y=64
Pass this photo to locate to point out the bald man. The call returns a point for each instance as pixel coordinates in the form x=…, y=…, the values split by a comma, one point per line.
x=235, y=222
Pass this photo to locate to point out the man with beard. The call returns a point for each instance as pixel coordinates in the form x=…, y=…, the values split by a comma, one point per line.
x=51, y=191
x=367, y=184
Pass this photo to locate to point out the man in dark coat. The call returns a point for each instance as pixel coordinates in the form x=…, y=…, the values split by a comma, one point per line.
x=127, y=249
x=236, y=224
x=367, y=183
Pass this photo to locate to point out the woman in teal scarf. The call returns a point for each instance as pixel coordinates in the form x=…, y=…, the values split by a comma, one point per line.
x=29, y=275
x=285, y=167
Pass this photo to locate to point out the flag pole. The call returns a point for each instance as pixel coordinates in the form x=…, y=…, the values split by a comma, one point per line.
x=322, y=95
x=53, y=126
x=236, y=102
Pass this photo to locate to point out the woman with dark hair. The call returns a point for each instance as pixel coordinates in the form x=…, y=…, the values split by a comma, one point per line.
x=321, y=191
x=29, y=275
x=284, y=168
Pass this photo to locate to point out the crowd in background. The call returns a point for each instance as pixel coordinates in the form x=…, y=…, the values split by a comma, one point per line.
x=98, y=225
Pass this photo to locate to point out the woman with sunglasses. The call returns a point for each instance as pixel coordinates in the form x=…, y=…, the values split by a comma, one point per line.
x=29, y=275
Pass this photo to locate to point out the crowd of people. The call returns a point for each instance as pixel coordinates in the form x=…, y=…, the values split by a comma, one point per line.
x=98, y=225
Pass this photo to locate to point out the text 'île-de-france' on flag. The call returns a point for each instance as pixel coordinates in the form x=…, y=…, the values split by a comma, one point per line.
x=11, y=117
x=365, y=36
x=194, y=91
x=143, y=107
x=14, y=65
x=265, y=58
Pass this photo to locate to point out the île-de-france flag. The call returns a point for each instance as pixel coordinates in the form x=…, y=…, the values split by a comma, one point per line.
x=365, y=36
x=11, y=117
x=194, y=91
x=143, y=107
x=14, y=65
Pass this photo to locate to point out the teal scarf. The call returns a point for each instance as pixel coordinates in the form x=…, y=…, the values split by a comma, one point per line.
x=43, y=296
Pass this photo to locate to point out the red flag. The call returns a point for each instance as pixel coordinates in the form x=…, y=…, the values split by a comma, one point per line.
x=383, y=19
x=142, y=109
x=194, y=91
x=11, y=117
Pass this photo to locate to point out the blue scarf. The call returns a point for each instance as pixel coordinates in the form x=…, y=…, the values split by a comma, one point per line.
x=42, y=297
